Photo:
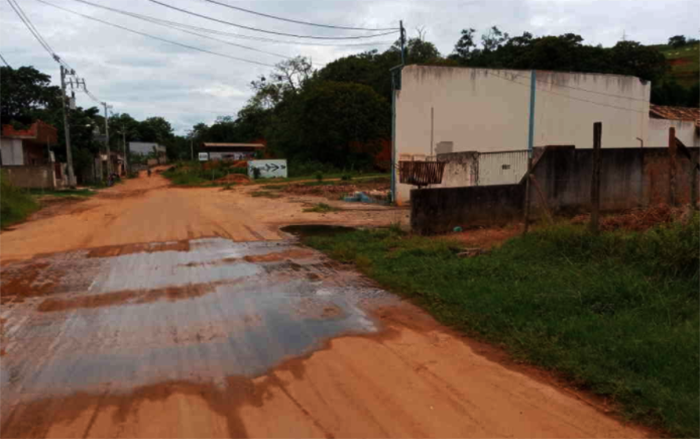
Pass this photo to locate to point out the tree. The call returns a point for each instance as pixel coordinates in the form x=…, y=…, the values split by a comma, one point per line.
x=677, y=41
x=155, y=129
x=331, y=122
x=493, y=39
x=26, y=91
x=367, y=68
x=465, y=45
x=632, y=58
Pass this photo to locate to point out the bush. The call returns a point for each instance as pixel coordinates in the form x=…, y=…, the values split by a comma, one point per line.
x=200, y=173
x=15, y=204
x=303, y=169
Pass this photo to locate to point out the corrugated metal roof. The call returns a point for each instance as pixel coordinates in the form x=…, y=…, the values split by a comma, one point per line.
x=233, y=145
x=675, y=113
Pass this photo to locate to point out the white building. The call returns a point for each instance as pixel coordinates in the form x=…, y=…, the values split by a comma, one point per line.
x=487, y=110
x=145, y=148
x=686, y=121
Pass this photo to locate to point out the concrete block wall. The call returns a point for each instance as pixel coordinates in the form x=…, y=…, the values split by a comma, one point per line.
x=440, y=210
x=35, y=177
x=630, y=178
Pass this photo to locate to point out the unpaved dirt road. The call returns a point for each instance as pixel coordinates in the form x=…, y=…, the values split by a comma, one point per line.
x=150, y=311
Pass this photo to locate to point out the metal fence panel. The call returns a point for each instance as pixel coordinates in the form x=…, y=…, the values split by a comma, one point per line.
x=507, y=167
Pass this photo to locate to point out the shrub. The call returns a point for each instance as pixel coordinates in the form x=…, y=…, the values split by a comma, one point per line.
x=15, y=204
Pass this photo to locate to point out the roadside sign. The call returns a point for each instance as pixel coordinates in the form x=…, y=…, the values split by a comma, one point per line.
x=203, y=156
x=268, y=168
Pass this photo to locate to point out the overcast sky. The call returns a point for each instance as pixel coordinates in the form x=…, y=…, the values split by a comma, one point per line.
x=145, y=77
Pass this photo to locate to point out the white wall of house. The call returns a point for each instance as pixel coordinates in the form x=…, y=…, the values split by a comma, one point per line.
x=12, y=152
x=487, y=110
x=685, y=131
x=144, y=148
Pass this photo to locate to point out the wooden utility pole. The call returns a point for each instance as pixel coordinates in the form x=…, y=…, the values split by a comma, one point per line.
x=109, y=158
x=126, y=159
x=694, y=181
x=526, y=208
x=66, y=129
x=672, y=166
x=595, y=177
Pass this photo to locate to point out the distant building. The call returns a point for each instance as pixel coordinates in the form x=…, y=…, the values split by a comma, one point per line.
x=686, y=121
x=28, y=147
x=158, y=152
x=231, y=151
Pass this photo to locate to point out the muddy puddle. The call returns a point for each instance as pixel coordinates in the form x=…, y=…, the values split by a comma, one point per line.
x=195, y=311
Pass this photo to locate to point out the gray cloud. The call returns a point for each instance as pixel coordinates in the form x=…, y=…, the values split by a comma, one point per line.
x=144, y=77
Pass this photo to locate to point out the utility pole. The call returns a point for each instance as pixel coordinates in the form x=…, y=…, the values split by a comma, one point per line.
x=126, y=159
x=109, y=158
x=66, y=129
x=403, y=43
x=530, y=147
x=595, y=177
x=192, y=147
x=395, y=85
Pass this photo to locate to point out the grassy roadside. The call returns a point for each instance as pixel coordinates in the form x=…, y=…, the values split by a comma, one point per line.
x=15, y=204
x=202, y=173
x=616, y=314
x=67, y=193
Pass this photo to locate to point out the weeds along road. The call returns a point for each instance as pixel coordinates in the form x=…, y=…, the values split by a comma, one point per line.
x=152, y=311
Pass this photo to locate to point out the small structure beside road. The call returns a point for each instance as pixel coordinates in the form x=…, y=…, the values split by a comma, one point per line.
x=27, y=147
x=151, y=150
x=685, y=120
x=231, y=151
x=27, y=159
x=267, y=168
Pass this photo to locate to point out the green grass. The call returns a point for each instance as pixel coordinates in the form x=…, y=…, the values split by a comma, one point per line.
x=322, y=208
x=616, y=314
x=194, y=173
x=685, y=74
x=15, y=204
x=63, y=193
x=681, y=52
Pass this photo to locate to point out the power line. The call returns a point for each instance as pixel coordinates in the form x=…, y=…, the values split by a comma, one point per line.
x=3, y=60
x=242, y=36
x=164, y=23
x=567, y=96
x=269, y=31
x=35, y=32
x=25, y=19
x=300, y=22
x=155, y=37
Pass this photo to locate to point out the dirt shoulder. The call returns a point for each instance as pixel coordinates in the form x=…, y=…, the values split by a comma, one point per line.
x=150, y=209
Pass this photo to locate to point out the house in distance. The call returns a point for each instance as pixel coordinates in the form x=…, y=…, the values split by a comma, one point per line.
x=231, y=151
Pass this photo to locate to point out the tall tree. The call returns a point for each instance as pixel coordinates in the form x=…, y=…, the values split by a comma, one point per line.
x=25, y=91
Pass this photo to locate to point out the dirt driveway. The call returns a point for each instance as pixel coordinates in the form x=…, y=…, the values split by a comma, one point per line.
x=151, y=311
